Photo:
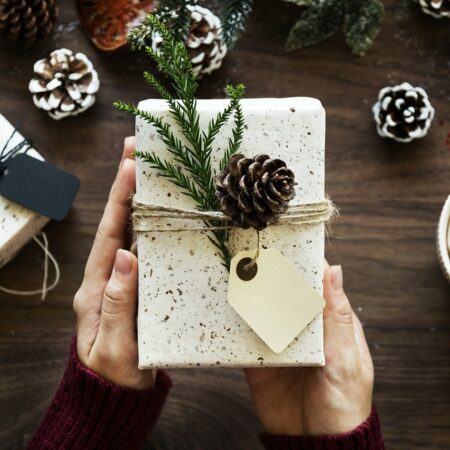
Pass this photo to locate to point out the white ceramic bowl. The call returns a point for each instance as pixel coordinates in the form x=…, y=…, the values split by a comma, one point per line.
x=443, y=239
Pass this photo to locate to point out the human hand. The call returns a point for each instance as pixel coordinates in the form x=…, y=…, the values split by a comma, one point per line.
x=316, y=401
x=105, y=304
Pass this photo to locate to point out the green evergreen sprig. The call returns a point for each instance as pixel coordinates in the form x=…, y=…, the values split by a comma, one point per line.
x=175, y=15
x=191, y=169
x=359, y=20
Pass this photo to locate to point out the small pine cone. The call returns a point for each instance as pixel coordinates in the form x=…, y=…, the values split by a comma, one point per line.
x=204, y=43
x=436, y=8
x=27, y=20
x=254, y=192
x=403, y=112
x=64, y=84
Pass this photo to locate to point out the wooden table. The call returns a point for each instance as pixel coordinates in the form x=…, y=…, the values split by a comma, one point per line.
x=390, y=197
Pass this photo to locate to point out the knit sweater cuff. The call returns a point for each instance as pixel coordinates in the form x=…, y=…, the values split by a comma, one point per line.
x=89, y=412
x=366, y=437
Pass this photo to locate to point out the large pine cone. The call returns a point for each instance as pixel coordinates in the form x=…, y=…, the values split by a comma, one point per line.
x=436, y=8
x=403, y=112
x=27, y=20
x=254, y=192
x=204, y=42
x=64, y=84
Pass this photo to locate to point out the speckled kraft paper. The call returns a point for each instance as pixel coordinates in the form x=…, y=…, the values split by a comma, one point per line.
x=17, y=224
x=184, y=319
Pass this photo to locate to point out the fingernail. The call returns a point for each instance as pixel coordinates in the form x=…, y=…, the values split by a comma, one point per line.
x=337, y=278
x=123, y=263
x=127, y=141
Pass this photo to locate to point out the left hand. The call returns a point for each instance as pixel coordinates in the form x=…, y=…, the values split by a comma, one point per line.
x=105, y=304
x=317, y=401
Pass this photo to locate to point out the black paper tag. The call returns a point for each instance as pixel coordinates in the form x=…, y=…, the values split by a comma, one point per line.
x=38, y=186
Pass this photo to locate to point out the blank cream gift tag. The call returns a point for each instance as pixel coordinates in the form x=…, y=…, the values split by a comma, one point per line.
x=272, y=297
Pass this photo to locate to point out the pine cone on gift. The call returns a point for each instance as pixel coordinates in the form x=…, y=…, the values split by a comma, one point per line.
x=436, y=8
x=204, y=42
x=27, y=20
x=403, y=112
x=254, y=192
x=64, y=84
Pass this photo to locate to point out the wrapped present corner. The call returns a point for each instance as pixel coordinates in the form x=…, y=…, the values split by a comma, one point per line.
x=184, y=319
x=17, y=224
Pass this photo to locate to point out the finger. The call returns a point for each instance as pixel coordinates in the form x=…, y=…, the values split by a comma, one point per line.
x=111, y=232
x=129, y=145
x=361, y=342
x=118, y=314
x=88, y=320
x=127, y=155
x=338, y=316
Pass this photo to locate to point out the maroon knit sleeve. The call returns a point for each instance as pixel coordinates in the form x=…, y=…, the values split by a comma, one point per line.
x=89, y=412
x=366, y=437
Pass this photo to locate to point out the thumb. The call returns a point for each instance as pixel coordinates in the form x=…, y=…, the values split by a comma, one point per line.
x=338, y=314
x=120, y=296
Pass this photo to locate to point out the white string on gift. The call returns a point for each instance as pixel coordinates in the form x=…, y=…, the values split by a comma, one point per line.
x=22, y=147
x=45, y=287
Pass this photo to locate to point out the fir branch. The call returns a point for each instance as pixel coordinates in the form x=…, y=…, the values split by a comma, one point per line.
x=140, y=36
x=316, y=24
x=362, y=25
x=174, y=61
x=360, y=21
x=175, y=15
x=191, y=168
x=175, y=175
x=215, y=125
x=219, y=239
x=235, y=141
x=181, y=153
x=234, y=16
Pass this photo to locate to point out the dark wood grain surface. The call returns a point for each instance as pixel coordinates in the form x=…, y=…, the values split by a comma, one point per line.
x=390, y=197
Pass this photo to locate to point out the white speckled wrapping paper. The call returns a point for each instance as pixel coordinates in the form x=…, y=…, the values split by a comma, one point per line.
x=184, y=319
x=17, y=224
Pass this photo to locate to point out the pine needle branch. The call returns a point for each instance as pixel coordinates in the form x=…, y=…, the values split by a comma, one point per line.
x=359, y=20
x=175, y=15
x=175, y=175
x=235, y=141
x=191, y=168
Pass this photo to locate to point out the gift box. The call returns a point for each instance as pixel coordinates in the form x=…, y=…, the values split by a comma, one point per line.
x=17, y=224
x=184, y=319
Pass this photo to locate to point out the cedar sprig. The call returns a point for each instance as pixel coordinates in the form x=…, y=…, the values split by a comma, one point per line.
x=235, y=141
x=191, y=169
x=174, y=14
x=176, y=17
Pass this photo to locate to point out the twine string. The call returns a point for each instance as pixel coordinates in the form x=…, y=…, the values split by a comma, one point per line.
x=48, y=258
x=253, y=261
x=146, y=217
